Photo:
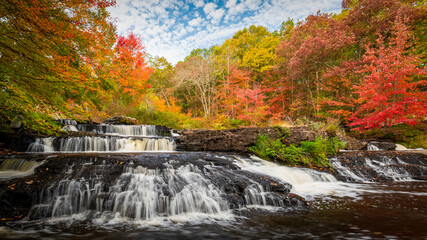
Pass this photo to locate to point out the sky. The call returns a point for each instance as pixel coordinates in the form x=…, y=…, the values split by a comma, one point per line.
x=172, y=28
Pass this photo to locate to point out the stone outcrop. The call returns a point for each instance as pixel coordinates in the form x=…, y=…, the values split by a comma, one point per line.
x=230, y=140
x=121, y=120
x=239, y=140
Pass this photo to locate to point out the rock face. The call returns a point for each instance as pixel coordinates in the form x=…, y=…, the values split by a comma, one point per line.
x=17, y=141
x=230, y=140
x=238, y=140
x=123, y=120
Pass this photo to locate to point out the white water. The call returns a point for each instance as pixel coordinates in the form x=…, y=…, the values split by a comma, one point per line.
x=122, y=130
x=305, y=182
x=345, y=171
x=139, y=194
x=310, y=183
x=372, y=147
x=387, y=167
x=102, y=144
x=15, y=167
x=42, y=145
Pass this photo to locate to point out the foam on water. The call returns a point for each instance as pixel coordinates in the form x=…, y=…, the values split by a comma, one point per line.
x=101, y=144
x=305, y=182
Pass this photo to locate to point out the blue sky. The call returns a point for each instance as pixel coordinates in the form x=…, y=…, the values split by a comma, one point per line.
x=173, y=28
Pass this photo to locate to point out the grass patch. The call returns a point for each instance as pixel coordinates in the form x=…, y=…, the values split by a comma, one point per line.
x=308, y=154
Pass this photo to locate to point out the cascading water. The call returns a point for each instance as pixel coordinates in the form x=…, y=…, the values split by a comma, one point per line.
x=172, y=189
x=101, y=144
x=131, y=138
x=369, y=167
x=123, y=130
x=16, y=167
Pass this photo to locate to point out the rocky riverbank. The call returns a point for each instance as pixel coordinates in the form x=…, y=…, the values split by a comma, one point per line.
x=240, y=139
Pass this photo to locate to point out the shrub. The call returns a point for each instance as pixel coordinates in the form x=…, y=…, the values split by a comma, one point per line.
x=309, y=153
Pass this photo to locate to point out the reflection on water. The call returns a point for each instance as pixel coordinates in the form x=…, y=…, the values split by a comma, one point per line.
x=390, y=211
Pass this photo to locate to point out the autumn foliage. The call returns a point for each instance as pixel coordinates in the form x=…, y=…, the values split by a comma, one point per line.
x=364, y=66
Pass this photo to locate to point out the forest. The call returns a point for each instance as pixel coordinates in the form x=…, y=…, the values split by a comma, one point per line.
x=362, y=69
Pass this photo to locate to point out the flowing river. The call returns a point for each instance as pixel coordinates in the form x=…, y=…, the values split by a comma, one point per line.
x=127, y=182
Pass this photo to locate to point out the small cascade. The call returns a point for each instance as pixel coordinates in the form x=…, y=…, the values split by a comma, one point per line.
x=66, y=122
x=42, y=145
x=294, y=176
x=123, y=130
x=174, y=189
x=355, y=167
x=101, y=144
x=346, y=172
x=108, y=138
x=16, y=167
x=372, y=147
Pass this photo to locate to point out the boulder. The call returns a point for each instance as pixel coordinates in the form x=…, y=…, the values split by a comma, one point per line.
x=121, y=120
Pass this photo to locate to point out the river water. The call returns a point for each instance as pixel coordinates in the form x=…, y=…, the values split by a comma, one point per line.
x=172, y=195
x=338, y=210
x=392, y=211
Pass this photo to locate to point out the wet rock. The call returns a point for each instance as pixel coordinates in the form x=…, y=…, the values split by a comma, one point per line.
x=17, y=141
x=380, y=166
x=385, y=146
x=121, y=120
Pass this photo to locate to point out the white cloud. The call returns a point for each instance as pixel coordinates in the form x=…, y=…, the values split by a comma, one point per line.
x=195, y=21
x=172, y=28
x=217, y=15
x=209, y=7
x=230, y=3
x=198, y=3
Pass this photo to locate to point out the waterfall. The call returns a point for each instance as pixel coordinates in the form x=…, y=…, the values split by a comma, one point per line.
x=368, y=169
x=110, y=138
x=101, y=144
x=138, y=194
x=305, y=182
x=170, y=191
x=372, y=147
x=42, y=145
x=16, y=167
x=123, y=130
